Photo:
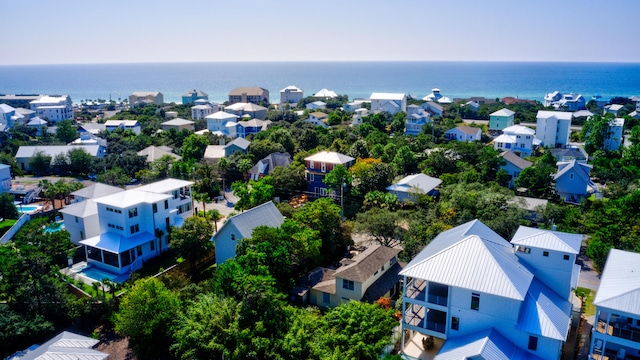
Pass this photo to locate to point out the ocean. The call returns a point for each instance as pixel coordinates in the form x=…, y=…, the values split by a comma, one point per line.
x=355, y=79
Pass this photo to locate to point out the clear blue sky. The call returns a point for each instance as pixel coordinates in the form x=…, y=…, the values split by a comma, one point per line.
x=119, y=31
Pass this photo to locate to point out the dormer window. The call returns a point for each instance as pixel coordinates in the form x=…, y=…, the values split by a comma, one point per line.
x=323, y=167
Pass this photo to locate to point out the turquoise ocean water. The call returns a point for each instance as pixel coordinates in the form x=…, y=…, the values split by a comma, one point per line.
x=356, y=79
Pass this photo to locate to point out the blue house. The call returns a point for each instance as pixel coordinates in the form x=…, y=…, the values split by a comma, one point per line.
x=241, y=227
x=318, y=165
x=190, y=97
x=513, y=165
x=573, y=181
x=253, y=126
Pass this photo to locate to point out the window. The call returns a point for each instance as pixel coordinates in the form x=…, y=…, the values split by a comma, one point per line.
x=134, y=228
x=326, y=298
x=311, y=164
x=175, y=194
x=133, y=212
x=475, y=301
x=571, y=176
x=566, y=257
x=545, y=253
x=455, y=323
x=139, y=250
x=166, y=204
x=533, y=343
x=82, y=235
x=76, y=219
x=233, y=237
x=323, y=167
x=347, y=284
x=523, y=249
x=152, y=245
x=155, y=208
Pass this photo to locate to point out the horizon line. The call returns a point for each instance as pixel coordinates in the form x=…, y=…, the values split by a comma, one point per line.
x=331, y=61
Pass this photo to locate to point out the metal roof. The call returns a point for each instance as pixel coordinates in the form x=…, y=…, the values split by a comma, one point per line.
x=326, y=93
x=422, y=182
x=154, y=153
x=502, y=112
x=266, y=214
x=117, y=243
x=129, y=198
x=53, y=150
x=178, y=122
x=544, y=313
x=97, y=190
x=331, y=157
x=560, y=115
x=221, y=115
x=164, y=186
x=518, y=129
x=581, y=169
x=620, y=283
x=469, y=261
x=487, y=344
x=81, y=209
x=548, y=239
x=387, y=96
x=66, y=345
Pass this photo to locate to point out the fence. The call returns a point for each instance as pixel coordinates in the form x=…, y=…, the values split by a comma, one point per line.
x=14, y=229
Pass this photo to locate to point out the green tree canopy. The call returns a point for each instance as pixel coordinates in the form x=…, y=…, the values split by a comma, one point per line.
x=193, y=240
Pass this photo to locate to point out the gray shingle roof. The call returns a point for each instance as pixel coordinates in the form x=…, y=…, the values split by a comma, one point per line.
x=516, y=160
x=364, y=265
x=266, y=214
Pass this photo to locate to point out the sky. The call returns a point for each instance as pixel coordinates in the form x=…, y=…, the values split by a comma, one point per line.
x=142, y=31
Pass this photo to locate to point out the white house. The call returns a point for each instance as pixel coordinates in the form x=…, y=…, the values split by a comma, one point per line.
x=389, y=102
x=469, y=286
x=54, y=108
x=616, y=332
x=217, y=122
x=464, y=133
x=570, y=101
x=612, y=109
x=81, y=216
x=39, y=124
x=417, y=117
x=25, y=153
x=10, y=116
x=201, y=111
x=553, y=128
x=241, y=226
x=436, y=96
x=134, y=224
x=291, y=94
x=501, y=119
x=252, y=110
x=615, y=134
x=517, y=138
x=356, y=119
x=368, y=275
x=5, y=178
x=513, y=165
x=133, y=125
x=433, y=108
x=327, y=94
x=411, y=187
x=352, y=106
x=318, y=118
x=316, y=105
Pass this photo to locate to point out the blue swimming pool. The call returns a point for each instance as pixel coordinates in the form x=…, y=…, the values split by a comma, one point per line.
x=26, y=209
x=56, y=226
x=97, y=274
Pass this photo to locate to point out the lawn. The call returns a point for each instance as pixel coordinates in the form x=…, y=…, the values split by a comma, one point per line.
x=589, y=308
x=5, y=225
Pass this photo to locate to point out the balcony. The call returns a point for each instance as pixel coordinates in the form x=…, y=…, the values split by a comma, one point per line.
x=416, y=289
x=621, y=327
x=435, y=320
x=438, y=294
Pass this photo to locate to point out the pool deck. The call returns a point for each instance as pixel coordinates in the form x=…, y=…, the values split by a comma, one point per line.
x=74, y=273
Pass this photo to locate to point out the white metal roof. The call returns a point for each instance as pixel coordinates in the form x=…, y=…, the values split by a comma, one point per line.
x=53, y=150
x=97, y=190
x=422, y=182
x=487, y=344
x=387, y=96
x=221, y=115
x=291, y=88
x=127, y=123
x=331, y=157
x=502, y=112
x=178, y=122
x=560, y=115
x=620, y=283
x=518, y=129
x=544, y=313
x=326, y=93
x=81, y=209
x=66, y=345
x=460, y=258
x=548, y=239
x=117, y=243
x=129, y=198
x=164, y=186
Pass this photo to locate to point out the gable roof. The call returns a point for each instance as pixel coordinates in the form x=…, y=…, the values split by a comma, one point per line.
x=331, y=157
x=560, y=115
x=362, y=266
x=319, y=114
x=271, y=161
x=164, y=186
x=66, y=345
x=515, y=160
x=97, y=190
x=518, y=129
x=198, y=93
x=239, y=142
x=433, y=105
x=81, y=209
x=53, y=150
x=502, y=112
x=467, y=130
x=249, y=90
x=245, y=107
x=326, y=93
x=474, y=257
x=387, y=96
x=153, y=153
x=178, y=122
x=544, y=313
x=423, y=182
x=221, y=115
x=580, y=169
x=548, y=239
x=620, y=284
x=266, y=214
x=487, y=344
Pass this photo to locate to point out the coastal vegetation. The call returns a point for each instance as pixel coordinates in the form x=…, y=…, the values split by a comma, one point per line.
x=241, y=309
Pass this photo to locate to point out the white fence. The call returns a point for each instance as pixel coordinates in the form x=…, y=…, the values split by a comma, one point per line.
x=14, y=229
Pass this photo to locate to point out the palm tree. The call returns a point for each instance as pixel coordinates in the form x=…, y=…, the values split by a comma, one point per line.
x=223, y=166
x=204, y=197
x=215, y=216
